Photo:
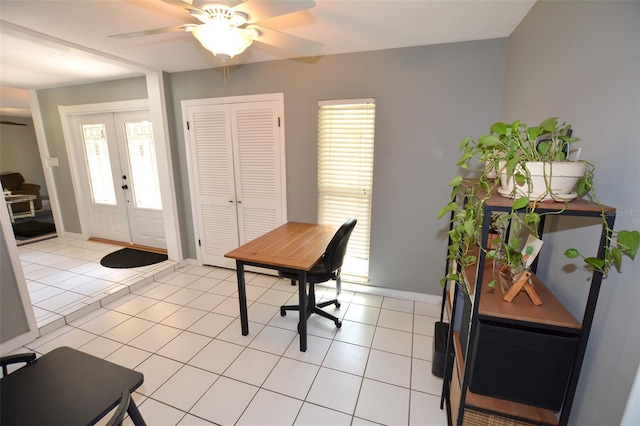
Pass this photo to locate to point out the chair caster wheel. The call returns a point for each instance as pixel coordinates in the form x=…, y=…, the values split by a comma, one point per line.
x=283, y=312
x=337, y=304
x=338, y=323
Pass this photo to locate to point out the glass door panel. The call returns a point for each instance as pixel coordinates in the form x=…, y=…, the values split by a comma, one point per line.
x=96, y=152
x=142, y=160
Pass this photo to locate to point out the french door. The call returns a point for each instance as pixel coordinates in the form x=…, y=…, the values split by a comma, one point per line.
x=121, y=176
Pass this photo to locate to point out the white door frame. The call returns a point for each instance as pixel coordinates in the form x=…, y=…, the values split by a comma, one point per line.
x=279, y=97
x=165, y=170
x=14, y=256
x=76, y=162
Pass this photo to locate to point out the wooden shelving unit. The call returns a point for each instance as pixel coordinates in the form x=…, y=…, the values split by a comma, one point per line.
x=490, y=311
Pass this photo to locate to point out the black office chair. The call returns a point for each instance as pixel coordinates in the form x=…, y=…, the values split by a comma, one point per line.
x=26, y=358
x=118, y=416
x=327, y=268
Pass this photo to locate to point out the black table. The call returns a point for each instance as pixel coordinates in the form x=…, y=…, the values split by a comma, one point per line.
x=66, y=387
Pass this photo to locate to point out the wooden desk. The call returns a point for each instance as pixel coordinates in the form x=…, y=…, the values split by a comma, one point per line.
x=293, y=247
x=66, y=387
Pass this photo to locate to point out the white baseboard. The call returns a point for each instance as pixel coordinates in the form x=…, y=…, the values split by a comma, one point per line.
x=389, y=292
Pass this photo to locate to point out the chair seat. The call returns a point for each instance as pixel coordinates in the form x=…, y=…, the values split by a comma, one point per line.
x=317, y=274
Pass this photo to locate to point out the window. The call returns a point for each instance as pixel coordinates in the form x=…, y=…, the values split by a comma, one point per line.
x=345, y=174
x=98, y=163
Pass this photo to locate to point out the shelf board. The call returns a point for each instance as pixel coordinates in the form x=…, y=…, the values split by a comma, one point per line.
x=550, y=313
x=508, y=408
x=578, y=205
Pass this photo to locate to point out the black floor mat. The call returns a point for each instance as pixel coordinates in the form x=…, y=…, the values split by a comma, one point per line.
x=131, y=258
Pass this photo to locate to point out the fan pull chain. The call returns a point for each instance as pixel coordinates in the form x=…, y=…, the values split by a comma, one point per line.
x=225, y=73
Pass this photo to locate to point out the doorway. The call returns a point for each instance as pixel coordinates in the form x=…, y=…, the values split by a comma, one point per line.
x=118, y=172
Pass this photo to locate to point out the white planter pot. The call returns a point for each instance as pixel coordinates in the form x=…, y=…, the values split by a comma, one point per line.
x=550, y=181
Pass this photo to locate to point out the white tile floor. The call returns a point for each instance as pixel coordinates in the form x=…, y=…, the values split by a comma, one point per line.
x=65, y=279
x=181, y=330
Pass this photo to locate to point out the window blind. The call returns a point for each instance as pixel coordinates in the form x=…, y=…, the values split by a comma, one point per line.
x=346, y=131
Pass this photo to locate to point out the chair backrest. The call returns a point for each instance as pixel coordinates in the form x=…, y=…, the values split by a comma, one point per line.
x=337, y=247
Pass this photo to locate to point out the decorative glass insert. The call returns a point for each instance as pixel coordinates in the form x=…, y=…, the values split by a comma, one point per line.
x=144, y=170
x=98, y=164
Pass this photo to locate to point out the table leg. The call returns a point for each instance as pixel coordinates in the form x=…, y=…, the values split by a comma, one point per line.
x=242, y=297
x=302, y=300
x=10, y=209
x=135, y=415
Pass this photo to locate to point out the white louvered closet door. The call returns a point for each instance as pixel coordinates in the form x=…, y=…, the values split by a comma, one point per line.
x=236, y=175
x=257, y=168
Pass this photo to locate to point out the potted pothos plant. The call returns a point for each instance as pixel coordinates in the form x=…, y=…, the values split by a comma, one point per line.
x=530, y=162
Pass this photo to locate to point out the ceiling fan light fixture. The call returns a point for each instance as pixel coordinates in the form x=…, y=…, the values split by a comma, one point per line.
x=223, y=40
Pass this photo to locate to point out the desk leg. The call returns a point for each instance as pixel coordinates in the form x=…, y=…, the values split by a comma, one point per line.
x=135, y=415
x=302, y=300
x=242, y=297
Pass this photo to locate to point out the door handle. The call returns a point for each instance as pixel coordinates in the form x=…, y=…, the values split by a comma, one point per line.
x=125, y=187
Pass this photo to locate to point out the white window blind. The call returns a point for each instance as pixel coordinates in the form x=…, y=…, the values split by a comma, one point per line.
x=346, y=131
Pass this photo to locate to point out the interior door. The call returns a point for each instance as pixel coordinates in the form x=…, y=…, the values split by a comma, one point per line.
x=214, y=183
x=139, y=176
x=122, y=178
x=237, y=175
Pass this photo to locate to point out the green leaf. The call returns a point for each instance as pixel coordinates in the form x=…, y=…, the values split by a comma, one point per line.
x=616, y=258
x=534, y=132
x=549, y=124
x=492, y=284
x=571, y=253
x=464, y=143
x=449, y=277
x=520, y=203
x=520, y=178
x=469, y=227
x=531, y=218
x=456, y=181
x=448, y=208
x=628, y=241
x=543, y=148
x=584, y=185
x=464, y=159
x=595, y=263
x=488, y=141
x=498, y=128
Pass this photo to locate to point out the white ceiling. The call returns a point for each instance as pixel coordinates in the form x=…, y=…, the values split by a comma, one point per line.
x=46, y=44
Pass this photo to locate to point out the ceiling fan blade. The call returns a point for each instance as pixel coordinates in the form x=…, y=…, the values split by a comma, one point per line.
x=259, y=10
x=188, y=6
x=287, y=41
x=184, y=27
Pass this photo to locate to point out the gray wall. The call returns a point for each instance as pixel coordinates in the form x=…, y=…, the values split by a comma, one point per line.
x=14, y=321
x=427, y=99
x=581, y=61
x=19, y=151
x=49, y=100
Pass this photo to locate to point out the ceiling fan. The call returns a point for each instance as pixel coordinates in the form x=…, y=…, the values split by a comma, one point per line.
x=228, y=30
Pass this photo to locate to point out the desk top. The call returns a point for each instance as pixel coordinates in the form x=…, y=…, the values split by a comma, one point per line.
x=64, y=387
x=293, y=245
